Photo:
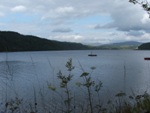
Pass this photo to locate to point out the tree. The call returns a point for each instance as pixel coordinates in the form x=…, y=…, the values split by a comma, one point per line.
x=144, y=3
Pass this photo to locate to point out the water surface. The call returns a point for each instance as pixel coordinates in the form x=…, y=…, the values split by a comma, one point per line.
x=23, y=73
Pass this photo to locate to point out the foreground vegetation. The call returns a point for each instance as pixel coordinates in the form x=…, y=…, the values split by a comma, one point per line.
x=64, y=99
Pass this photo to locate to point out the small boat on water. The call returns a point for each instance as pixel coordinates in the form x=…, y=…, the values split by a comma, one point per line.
x=147, y=58
x=91, y=54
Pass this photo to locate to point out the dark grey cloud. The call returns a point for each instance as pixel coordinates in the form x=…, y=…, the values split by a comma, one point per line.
x=98, y=26
x=135, y=33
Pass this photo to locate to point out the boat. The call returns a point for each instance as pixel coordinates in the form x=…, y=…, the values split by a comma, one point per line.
x=147, y=58
x=91, y=54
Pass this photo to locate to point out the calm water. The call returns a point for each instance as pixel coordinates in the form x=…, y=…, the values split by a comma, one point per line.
x=22, y=73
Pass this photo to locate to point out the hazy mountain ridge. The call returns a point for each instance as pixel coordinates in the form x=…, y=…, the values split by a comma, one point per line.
x=127, y=43
x=121, y=45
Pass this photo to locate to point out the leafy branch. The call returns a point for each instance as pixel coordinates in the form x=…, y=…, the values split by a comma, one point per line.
x=145, y=4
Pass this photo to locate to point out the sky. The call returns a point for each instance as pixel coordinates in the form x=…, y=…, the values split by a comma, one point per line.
x=83, y=21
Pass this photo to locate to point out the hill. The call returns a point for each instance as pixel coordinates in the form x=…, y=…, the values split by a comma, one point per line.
x=121, y=45
x=13, y=41
x=144, y=46
x=128, y=43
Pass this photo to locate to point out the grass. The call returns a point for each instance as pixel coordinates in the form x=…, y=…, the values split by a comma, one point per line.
x=65, y=100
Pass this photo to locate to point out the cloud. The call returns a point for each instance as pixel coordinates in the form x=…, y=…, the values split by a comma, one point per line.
x=143, y=38
x=128, y=17
x=62, y=30
x=145, y=19
x=97, y=26
x=68, y=38
x=62, y=10
x=125, y=16
x=59, y=13
x=128, y=21
x=135, y=33
x=19, y=8
x=1, y=14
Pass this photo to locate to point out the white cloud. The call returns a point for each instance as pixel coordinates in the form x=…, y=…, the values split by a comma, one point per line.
x=145, y=18
x=68, y=38
x=19, y=8
x=62, y=10
x=59, y=13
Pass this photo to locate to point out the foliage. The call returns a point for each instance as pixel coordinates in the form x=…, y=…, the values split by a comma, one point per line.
x=13, y=105
x=89, y=84
x=65, y=79
x=144, y=3
x=64, y=84
x=129, y=104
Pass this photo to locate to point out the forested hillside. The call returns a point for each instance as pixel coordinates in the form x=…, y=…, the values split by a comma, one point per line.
x=13, y=41
x=145, y=46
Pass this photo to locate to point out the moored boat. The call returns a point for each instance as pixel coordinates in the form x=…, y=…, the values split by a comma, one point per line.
x=147, y=58
x=92, y=54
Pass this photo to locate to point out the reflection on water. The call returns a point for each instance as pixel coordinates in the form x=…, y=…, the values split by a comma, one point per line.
x=25, y=73
x=10, y=69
